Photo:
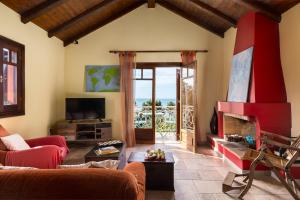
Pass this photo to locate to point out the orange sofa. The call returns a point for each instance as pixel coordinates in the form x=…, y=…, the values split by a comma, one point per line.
x=74, y=183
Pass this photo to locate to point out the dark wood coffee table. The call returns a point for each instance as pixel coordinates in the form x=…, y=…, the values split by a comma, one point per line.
x=121, y=156
x=159, y=174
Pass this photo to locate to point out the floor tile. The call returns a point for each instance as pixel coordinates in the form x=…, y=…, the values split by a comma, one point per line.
x=208, y=186
x=199, y=176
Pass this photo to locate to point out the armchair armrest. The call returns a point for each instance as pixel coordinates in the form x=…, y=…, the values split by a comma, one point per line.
x=278, y=136
x=44, y=157
x=278, y=144
x=138, y=171
x=49, y=140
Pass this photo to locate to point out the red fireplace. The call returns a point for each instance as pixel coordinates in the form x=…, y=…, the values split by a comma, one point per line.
x=267, y=107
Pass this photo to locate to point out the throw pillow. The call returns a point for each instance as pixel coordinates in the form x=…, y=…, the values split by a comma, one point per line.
x=106, y=164
x=15, y=142
x=84, y=165
x=15, y=168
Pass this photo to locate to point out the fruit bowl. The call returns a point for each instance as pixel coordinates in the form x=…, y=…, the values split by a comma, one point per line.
x=158, y=155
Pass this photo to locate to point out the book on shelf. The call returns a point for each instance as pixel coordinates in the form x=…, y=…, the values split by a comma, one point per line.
x=106, y=150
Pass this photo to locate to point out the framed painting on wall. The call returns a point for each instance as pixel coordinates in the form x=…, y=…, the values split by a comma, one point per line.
x=102, y=78
x=240, y=76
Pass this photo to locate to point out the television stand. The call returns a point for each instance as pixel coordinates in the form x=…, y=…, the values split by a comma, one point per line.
x=83, y=131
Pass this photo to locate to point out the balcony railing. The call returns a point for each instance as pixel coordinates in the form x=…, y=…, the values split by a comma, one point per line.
x=165, y=118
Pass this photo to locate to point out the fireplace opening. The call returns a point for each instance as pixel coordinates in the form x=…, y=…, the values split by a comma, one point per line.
x=239, y=129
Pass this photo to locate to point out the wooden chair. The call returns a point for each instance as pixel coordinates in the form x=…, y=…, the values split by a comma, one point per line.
x=277, y=164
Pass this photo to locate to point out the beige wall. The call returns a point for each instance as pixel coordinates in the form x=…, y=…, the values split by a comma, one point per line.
x=146, y=29
x=53, y=72
x=290, y=58
x=44, y=63
x=228, y=48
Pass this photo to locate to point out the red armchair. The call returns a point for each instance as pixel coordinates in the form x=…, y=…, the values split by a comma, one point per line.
x=45, y=153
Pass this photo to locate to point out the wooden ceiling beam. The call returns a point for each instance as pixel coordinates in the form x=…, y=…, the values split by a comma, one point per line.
x=151, y=3
x=102, y=23
x=39, y=10
x=73, y=21
x=216, y=12
x=258, y=7
x=189, y=17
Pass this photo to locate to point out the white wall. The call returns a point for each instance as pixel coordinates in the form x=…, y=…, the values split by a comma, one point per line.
x=151, y=29
x=44, y=72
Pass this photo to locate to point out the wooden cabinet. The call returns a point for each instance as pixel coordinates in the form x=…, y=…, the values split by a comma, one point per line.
x=83, y=130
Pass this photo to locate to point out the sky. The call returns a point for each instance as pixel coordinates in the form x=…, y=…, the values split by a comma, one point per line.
x=165, y=85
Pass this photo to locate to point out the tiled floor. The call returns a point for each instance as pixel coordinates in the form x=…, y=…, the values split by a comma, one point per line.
x=199, y=177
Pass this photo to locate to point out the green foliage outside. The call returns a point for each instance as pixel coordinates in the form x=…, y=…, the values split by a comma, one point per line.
x=170, y=103
x=149, y=103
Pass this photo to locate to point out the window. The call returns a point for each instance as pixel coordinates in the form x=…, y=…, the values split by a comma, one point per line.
x=12, y=92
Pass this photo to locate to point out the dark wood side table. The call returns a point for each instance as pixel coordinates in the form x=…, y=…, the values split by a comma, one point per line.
x=159, y=174
x=121, y=156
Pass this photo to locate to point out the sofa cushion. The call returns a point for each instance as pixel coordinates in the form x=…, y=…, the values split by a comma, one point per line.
x=15, y=142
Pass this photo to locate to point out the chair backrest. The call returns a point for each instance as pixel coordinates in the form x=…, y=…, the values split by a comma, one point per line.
x=292, y=155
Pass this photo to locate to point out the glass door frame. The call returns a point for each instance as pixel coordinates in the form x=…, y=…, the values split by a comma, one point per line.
x=153, y=66
x=190, y=140
x=142, y=134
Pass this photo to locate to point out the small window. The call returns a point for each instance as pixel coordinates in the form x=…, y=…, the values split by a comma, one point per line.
x=12, y=59
x=137, y=73
x=147, y=73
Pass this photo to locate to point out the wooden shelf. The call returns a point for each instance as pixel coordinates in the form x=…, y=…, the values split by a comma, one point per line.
x=81, y=130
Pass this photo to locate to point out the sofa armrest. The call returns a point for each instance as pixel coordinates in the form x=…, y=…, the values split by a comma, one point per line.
x=44, y=157
x=49, y=140
x=138, y=170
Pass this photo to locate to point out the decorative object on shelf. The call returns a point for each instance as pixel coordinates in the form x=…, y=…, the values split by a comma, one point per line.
x=234, y=138
x=250, y=140
x=101, y=78
x=240, y=76
x=214, y=123
x=110, y=143
x=155, y=155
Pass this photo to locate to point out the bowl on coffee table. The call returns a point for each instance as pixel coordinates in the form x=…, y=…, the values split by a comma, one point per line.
x=155, y=155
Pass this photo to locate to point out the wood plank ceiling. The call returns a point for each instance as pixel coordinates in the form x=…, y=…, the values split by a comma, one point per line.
x=70, y=20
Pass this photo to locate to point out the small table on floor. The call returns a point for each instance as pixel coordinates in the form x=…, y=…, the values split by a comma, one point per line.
x=159, y=174
x=121, y=156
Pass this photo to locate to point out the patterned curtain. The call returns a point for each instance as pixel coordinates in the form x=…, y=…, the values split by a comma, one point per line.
x=191, y=122
x=127, y=66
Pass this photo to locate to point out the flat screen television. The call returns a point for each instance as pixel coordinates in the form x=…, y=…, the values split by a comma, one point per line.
x=85, y=108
